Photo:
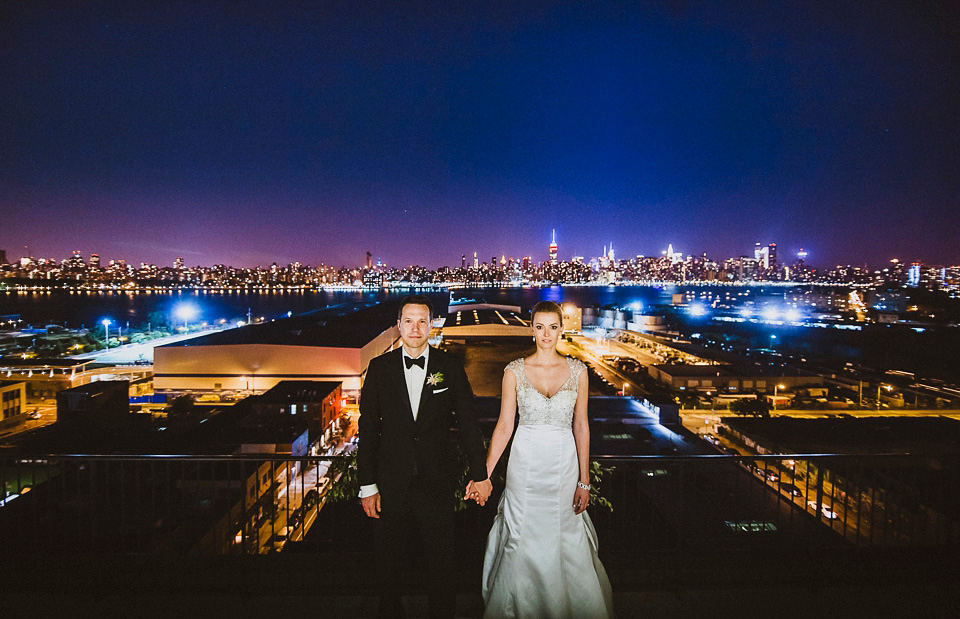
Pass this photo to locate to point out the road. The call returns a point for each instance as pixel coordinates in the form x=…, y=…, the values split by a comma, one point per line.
x=129, y=353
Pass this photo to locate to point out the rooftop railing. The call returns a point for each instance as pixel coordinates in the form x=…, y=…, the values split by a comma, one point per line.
x=263, y=504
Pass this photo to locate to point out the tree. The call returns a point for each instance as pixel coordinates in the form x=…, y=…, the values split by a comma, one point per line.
x=757, y=407
x=158, y=320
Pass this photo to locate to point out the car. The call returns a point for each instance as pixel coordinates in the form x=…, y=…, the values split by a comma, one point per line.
x=772, y=475
x=34, y=414
x=295, y=518
x=828, y=513
x=790, y=489
x=731, y=451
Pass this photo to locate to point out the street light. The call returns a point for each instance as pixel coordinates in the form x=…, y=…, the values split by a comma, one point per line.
x=106, y=331
x=887, y=387
x=185, y=312
x=776, y=388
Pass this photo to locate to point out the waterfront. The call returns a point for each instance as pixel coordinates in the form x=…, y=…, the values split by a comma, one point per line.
x=75, y=309
x=927, y=350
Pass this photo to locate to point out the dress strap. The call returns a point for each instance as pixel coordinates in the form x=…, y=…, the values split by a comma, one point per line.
x=516, y=366
x=576, y=367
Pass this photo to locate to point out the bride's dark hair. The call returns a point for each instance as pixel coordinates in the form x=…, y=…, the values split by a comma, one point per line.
x=547, y=307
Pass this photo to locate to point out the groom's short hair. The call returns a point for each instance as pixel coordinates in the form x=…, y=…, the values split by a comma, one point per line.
x=415, y=299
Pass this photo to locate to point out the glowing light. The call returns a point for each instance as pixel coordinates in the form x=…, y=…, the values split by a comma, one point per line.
x=697, y=309
x=793, y=314
x=186, y=311
x=771, y=313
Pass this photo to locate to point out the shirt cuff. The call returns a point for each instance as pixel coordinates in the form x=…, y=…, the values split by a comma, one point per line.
x=368, y=490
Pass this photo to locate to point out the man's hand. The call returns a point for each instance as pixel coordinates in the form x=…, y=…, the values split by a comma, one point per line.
x=479, y=491
x=371, y=505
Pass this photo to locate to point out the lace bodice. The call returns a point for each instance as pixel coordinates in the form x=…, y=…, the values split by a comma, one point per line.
x=535, y=408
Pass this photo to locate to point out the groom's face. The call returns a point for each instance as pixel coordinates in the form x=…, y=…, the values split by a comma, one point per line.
x=414, y=326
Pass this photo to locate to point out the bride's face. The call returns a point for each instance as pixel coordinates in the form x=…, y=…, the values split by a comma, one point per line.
x=547, y=329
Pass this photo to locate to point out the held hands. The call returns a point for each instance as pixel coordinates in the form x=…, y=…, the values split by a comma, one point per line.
x=478, y=491
x=580, y=499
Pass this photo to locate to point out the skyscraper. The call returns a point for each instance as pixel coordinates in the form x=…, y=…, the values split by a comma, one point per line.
x=553, y=248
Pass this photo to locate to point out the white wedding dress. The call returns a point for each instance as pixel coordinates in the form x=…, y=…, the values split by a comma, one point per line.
x=541, y=558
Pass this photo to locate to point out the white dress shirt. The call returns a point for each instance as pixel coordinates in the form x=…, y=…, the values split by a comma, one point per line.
x=415, y=377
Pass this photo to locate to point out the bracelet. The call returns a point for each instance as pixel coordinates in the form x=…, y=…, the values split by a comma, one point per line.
x=580, y=484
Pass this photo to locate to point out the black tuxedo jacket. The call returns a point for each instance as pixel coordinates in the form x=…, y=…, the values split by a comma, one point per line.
x=394, y=447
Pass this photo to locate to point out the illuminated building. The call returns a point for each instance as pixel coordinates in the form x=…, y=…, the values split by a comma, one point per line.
x=332, y=344
x=553, y=248
x=913, y=275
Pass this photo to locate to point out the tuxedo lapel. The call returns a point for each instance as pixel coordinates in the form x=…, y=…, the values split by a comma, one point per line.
x=426, y=394
x=399, y=383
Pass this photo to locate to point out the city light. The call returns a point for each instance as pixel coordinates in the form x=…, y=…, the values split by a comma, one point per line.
x=770, y=313
x=697, y=310
x=186, y=312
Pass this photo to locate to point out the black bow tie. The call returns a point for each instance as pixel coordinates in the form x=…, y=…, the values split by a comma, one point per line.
x=419, y=361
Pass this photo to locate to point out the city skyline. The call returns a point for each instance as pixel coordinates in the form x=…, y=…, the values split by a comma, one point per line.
x=366, y=259
x=315, y=133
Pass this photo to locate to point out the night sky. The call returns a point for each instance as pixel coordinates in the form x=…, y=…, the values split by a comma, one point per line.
x=247, y=133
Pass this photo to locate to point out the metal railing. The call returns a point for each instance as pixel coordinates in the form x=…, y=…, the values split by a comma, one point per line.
x=263, y=504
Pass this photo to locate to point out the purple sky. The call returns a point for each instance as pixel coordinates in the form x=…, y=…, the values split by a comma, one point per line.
x=244, y=133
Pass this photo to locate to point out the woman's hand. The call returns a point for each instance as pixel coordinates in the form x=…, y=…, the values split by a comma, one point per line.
x=580, y=500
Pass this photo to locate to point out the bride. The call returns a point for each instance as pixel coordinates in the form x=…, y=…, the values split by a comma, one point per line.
x=541, y=558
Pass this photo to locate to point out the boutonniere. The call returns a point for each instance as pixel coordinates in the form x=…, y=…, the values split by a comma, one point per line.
x=435, y=379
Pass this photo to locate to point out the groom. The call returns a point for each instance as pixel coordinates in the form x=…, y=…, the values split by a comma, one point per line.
x=406, y=459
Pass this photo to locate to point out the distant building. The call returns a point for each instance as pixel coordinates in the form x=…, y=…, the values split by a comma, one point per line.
x=316, y=403
x=45, y=377
x=481, y=319
x=13, y=398
x=572, y=319
x=331, y=344
x=103, y=401
x=712, y=378
x=913, y=275
x=553, y=248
